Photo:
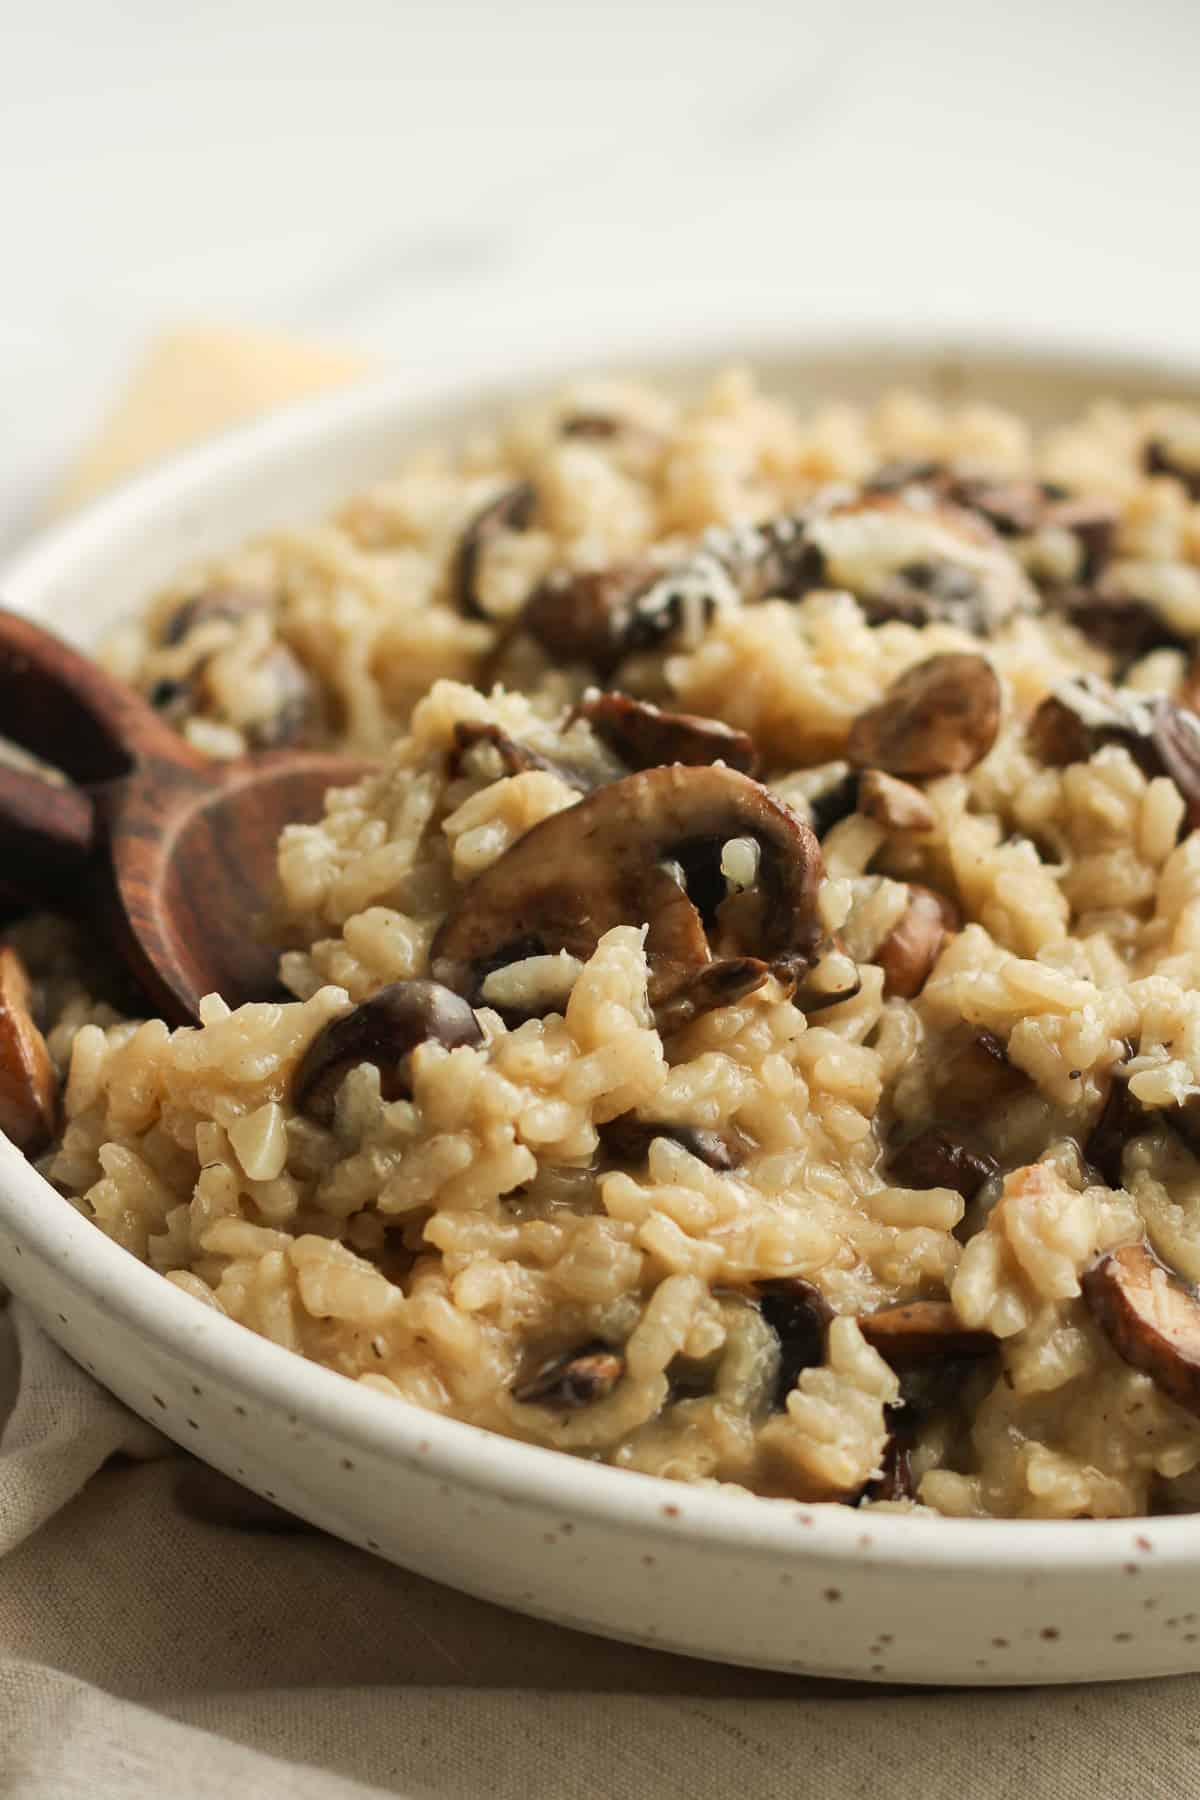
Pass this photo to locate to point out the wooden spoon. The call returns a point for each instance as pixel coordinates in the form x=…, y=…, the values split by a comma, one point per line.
x=173, y=853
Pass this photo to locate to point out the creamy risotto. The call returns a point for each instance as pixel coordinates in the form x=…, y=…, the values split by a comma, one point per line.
x=748, y=1028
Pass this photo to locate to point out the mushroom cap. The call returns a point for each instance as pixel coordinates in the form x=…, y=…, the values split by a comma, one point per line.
x=1151, y=1320
x=602, y=863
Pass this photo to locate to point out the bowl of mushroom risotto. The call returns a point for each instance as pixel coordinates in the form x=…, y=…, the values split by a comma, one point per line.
x=720, y=1165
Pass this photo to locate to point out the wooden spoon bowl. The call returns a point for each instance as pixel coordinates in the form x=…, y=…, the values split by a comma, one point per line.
x=174, y=853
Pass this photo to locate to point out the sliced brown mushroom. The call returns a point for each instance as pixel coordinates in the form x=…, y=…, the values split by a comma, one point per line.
x=1177, y=454
x=833, y=979
x=609, y=861
x=1092, y=520
x=646, y=737
x=922, y=1328
x=382, y=1030
x=1121, y=1118
x=515, y=758
x=679, y=995
x=940, y=717
x=1085, y=713
x=595, y=426
x=28, y=1085
x=297, y=714
x=573, y=1380
x=892, y=803
x=938, y=1158
x=585, y=618
x=628, y=1140
x=511, y=510
x=799, y=1315
x=895, y=1478
x=909, y=951
x=1150, y=1318
x=228, y=604
x=1013, y=507
x=1115, y=620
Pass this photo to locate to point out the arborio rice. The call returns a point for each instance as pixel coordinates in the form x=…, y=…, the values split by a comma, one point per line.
x=808, y=1101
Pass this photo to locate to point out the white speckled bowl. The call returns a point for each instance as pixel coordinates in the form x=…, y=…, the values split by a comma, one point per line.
x=826, y=1590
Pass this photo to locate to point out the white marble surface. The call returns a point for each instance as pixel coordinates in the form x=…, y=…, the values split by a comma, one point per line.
x=413, y=177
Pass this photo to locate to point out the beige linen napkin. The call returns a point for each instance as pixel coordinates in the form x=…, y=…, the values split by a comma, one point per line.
x=162, y=1633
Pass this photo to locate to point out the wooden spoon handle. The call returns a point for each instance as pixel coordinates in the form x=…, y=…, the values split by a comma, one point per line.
x=67, y=710
x=47, y=833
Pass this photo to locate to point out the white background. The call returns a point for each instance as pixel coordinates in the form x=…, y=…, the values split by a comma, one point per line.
x=412, y=178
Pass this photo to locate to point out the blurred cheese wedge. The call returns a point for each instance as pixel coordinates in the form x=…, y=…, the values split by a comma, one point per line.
x=192, y=384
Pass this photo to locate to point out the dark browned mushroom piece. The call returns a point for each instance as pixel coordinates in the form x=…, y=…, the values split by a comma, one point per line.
x=911, y=948
x=1169, y=455
x=939, y=1158
x=1085, y=713
x=610, y=861
x=595, y=426
x=382, y=1030
x=573, y=1379
x=646, y=737
x=921, y=1329
x=1121, y=1118
x=892, y=803
x=680, y=995
x=1150, y=1318
x=297, y=715
x=585, y=618
x=938, y=718
x=1117, y=621
x=28, y=1085
x=799, y=1315
x=515, y=758
x=628, y=1139
x=228, y=604
x=895, y=1478
x=511, y=510
x=1090, y=519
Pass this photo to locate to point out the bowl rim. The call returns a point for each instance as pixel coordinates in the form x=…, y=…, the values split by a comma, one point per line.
x=324, y=1402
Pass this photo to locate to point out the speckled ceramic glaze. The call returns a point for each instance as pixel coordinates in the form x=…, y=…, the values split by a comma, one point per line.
x=826, y=1590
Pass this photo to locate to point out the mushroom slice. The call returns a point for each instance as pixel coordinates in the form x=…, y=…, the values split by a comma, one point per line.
x=936, y=1158
x=909, y=951
x=677, y=996
x=1177, y=452
x=895, y=1478
x=585, y=618
x=646, y=737
x=381, y=1030
x=939, y=718
x=799, y=1315
x=227, y=604
x=922, y=1328
x=515, y=758
x=1115, y=620
x=627, y=1139
x=28, y=1085
x=1092, y=520
x=511, y=510
x=1085, y=713
x=1121, y=1118
x=894, y=804
x=608, y=861
x=567, y=1382
x=1150, y=1318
